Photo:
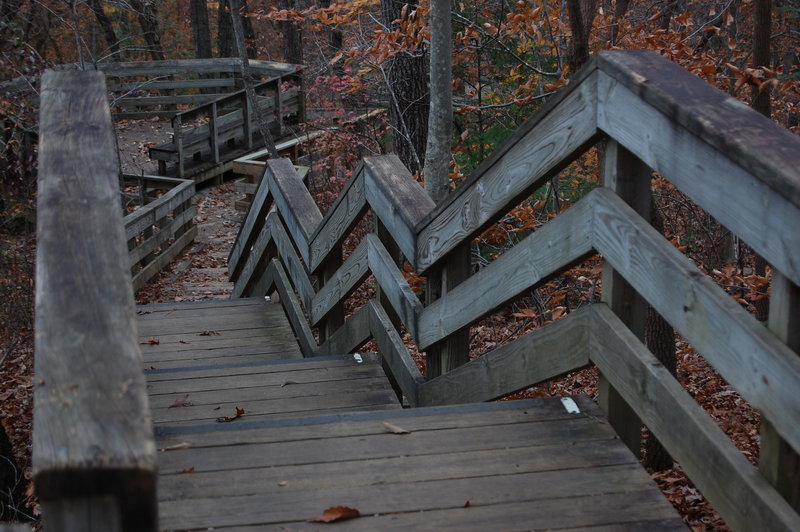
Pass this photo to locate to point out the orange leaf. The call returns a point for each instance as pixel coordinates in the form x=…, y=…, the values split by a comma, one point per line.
x=336, y=513
x=151, y=341
x=227, y=419
x=187, y=471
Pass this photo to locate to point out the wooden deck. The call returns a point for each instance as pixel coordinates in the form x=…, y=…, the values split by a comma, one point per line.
x=313, y=437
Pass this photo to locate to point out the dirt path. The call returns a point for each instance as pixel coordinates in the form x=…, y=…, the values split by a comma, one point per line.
x=201, y=271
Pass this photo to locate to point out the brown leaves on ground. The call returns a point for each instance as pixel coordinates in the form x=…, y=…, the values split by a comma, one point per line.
x=336, y=513
x=183, y=401
x=209, y=333
x=151, y=341
x=394, y=429
x=227, y=419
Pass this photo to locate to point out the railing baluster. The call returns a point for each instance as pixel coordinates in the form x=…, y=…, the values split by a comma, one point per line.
x=778, y=462
x=630, y=179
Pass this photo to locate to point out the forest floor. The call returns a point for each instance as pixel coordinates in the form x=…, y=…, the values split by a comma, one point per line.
x=200, y=272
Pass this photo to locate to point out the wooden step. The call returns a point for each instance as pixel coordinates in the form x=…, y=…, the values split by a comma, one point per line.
x=519, y=465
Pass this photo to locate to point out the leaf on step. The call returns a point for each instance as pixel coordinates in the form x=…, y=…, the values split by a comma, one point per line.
x=283, y=483
x=183, y=341
x=187, y=471
x=227, y=419
x=209, y=333
x=467, y=504
x=287, y=382
x=151, y=341
x=394, y=429
x=336, y=513
x=178, y=446
x=183, y=401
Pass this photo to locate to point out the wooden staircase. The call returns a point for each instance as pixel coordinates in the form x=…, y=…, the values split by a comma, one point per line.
x=317, y=433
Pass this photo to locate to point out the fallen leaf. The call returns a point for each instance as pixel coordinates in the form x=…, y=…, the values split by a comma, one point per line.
x=178, y=446
x=209, y=333
x=227, y=419
x=287, y=382
x=151, y=341
x=467, y=504
x=394, y=429
x=336, y=513
x=183, y=401
x=187, y=471
x=183, y=341
x=283, y=483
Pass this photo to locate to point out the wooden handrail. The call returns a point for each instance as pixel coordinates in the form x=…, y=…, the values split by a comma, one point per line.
x=93, y=447
x=653, y=115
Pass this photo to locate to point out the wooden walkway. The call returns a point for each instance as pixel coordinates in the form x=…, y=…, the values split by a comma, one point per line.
x=313, y=435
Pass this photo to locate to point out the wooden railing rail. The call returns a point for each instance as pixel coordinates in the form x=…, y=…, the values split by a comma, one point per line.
x=93, y=448
x=158, y=231
x=651, y=116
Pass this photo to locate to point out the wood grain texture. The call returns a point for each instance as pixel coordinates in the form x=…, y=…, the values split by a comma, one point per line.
x=710, y=459
x=288, y=256
x=397, y=199
x=151, y=213
x=543, y=354
x=352, y=335
x=748, y=138
x=752, y=359
x=346, y=279
x=164, y=258
x=250, y=230
x=554, y=247
x=395, y=354
x=253, y=261
x=742, y=201
x=297, y=207
x=347, y=210
x=278, y=279
x=92, y=432
x=527, y=161
x=404, y=301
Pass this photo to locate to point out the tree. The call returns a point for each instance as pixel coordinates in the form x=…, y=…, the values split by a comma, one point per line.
x=292, y=36
x=581, y=16
x=147, y=12
x=408, y=96
x=440, y=121
x=200, y=28
x=108, y=29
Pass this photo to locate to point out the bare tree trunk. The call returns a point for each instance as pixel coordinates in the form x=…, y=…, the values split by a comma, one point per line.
x=619, y=13
x=440, y=117
x=108, y=29
x=292, y=36
x=761, y=103
x=238, y=34
x=225, y=44
x=147, y=12
x=335, y=36
x=408, y=95
x=200, y=28
x=581, y=14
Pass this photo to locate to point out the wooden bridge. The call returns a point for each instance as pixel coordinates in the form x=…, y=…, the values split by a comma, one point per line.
x=235, y=415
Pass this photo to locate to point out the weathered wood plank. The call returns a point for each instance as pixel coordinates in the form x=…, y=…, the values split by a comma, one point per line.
x=254, y=257
x=745, y=203
x=92, y=431
x=713, y=463
x=295, y=203
x=81, y=514
x=752, y=360
x=288, y=256
x=395, y=354
x=346, y=279
x=346, y=211
x=308, y=344
x=543, y=354
x=543, y=146
x=164, y=258
x=150, y=214
x=349, y=337
x=397, y=199
x=395, y=287
x=554, y=247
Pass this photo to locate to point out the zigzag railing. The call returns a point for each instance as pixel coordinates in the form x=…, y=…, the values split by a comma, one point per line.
x=652, y=116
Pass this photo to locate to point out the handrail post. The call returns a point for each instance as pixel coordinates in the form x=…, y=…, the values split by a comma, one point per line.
x=93, y=447
x=247, y=120
x=778, y=462
x=213, y=133
x=453, y=351
x=177, y=139
x=629, y=177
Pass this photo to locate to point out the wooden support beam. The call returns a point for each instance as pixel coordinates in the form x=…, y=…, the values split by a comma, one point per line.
x=629, y=178
x=92, y=434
